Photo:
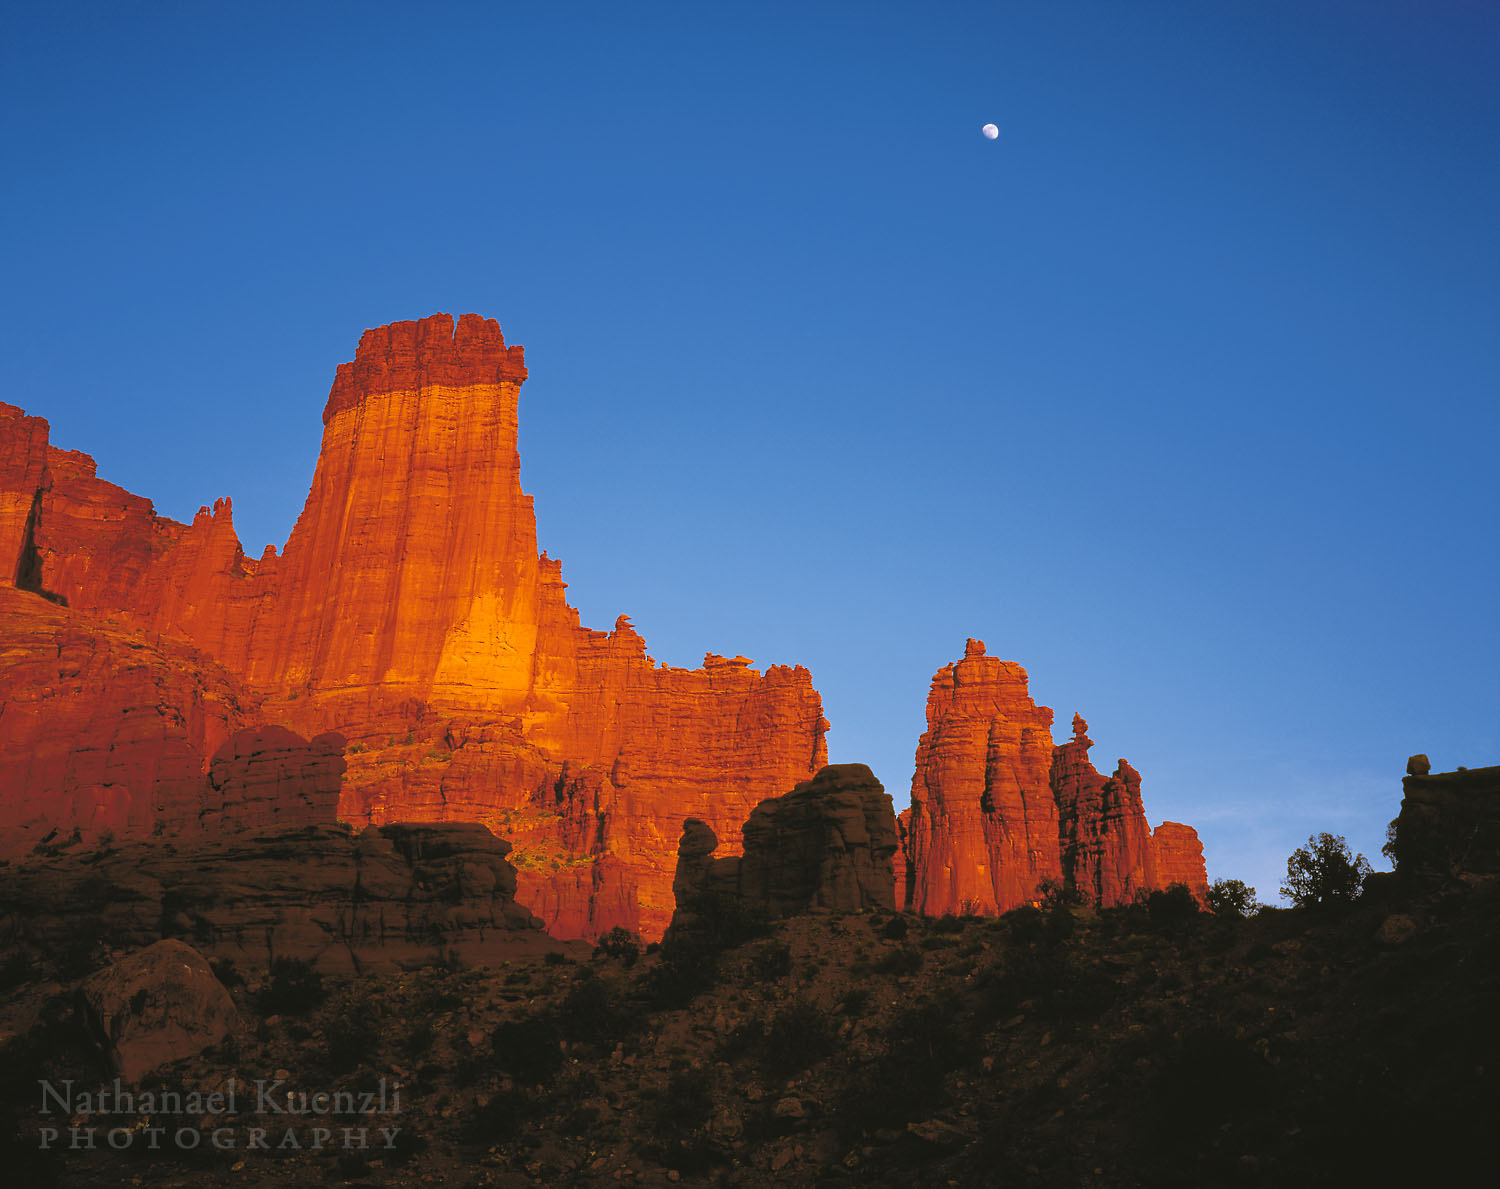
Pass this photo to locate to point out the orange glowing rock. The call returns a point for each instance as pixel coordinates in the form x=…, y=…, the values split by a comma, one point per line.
x=997, y=809
x=412, y=612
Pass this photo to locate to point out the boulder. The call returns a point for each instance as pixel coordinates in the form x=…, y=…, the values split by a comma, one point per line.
x=158, y=1005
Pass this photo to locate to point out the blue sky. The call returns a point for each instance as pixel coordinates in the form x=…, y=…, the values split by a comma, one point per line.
x=1182, y=392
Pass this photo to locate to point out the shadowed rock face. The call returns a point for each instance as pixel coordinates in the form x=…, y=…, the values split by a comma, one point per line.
x=827, y=844
x=412, y=612
x=397, y=896
x=996, y=808
x=155, y=1006
x=1449, y=822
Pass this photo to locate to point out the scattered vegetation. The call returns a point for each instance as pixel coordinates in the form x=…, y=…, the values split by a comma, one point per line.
x=293, y=988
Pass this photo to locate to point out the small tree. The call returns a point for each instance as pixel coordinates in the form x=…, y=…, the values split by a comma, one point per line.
x=1323, y=873
x=1231, y=898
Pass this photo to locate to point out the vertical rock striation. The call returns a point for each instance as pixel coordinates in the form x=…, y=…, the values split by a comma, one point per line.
x=996, y=809
x=982, y=830
x=412, y=612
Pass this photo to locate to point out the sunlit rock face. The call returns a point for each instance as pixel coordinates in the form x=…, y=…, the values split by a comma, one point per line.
x=412, y=613
x=103, y=729
x=996, y=808
x=982, y=829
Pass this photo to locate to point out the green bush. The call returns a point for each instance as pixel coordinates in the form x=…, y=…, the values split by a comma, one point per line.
x=1172, y=908
x=620, y=944
x=1323, y=874
x=1231, y=898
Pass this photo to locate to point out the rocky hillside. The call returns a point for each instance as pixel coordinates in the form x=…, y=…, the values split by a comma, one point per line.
x=1147, y=1044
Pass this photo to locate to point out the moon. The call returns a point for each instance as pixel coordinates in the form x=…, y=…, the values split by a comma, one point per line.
x=990, y=131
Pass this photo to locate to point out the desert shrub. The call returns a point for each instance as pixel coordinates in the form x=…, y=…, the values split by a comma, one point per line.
x=948, y=923
x=1058, y=986
x=679, y=978
x=352, y=1038
x=499, y=1118
x=556, y=958
x=904, y=959
x=224, y=970
x=855, y=1000
x=725, y=921
x=1231, y=898
x=895, y=929
x=677, y=1120
x=590, y=1014
x=293, y=989
x=1052, y=892
x=771, y=961
x=419, y=1040
x=1206, y=1078
x=924, y=1044
x=1323, y=874
x=14, y=971
x=620, y=944
x=939, y=943
x=528, y=1048
x=1171, y=909
x=1025, y=924
x=1060, y=924
x=795, y=1036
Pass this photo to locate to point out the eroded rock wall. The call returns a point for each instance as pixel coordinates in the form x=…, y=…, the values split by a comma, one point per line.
x=412, y=613
x=996, y=809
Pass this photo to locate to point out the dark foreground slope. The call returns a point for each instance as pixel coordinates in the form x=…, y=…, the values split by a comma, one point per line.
x=1148, y=1045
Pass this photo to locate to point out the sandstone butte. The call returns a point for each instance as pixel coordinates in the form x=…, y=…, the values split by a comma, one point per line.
x=154, y=679
x=410, y=612
x=996, y=808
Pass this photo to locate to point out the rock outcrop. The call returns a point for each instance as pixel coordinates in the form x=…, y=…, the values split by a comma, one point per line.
x=1179, y=858
x=392, y=897
x=412, y=613
x=264, y=777
x=827, y=844
x=982, y=830
x=1449, y=823
x=997, y=809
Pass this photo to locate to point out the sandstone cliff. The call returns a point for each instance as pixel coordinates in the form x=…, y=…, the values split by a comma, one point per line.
x=982, y=830
x=996, y=808
x=412, y=613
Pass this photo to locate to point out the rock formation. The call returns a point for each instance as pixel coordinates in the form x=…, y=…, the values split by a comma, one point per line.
x=996, y=809
x=982, y=830
x=1179, y=858
x=412, y=613
x=389, y=897
x=1449, y=822
x=155, y=1006
x=264, y=777
x=826, y=844
x=102, y=728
